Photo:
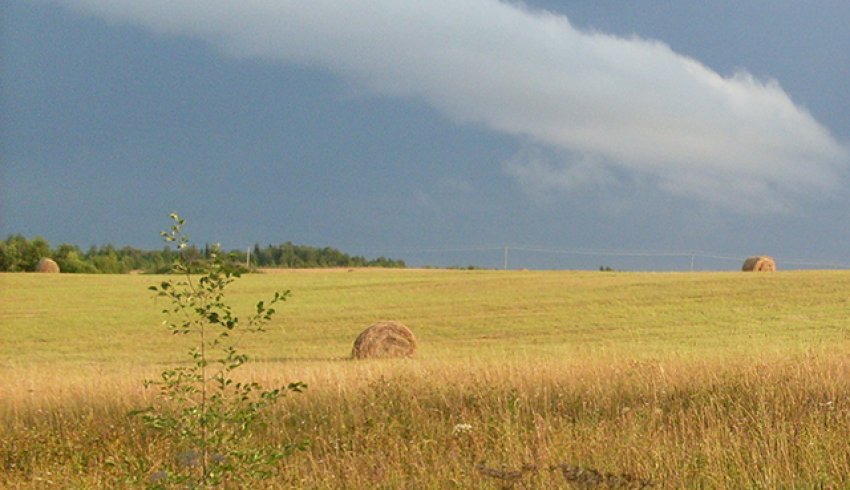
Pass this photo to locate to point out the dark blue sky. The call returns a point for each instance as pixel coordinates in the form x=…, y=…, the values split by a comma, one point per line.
x=114, y=116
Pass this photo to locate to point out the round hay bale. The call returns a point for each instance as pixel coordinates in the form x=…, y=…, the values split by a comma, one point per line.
x=47, y=265
x=384, y=339
x=760, y=263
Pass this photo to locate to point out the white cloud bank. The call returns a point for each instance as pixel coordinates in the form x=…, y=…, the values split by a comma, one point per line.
x=604, y=101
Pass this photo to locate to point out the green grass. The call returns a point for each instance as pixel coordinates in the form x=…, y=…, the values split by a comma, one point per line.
x=455, y=314
x=712, y=380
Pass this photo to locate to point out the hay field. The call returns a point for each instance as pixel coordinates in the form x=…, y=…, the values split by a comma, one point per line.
x=523, y=379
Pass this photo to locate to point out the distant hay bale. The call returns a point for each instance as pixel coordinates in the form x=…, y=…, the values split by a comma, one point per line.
x=47, y=265
x=384, y=339
x=760, y=263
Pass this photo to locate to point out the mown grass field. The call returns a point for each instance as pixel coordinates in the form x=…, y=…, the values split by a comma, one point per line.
x=522, y=378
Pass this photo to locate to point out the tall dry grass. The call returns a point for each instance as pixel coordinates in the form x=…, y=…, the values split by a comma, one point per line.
x=767, y=422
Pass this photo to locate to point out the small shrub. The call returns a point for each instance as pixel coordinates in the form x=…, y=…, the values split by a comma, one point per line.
x=208, y=419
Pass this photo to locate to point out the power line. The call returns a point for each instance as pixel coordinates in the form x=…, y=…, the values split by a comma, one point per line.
x=693, y=255
x=603, y=252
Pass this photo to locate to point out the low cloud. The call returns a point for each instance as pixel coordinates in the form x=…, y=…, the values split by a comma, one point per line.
x=601, y=102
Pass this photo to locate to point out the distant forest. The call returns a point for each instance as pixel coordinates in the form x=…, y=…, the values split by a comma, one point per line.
x=19, y=254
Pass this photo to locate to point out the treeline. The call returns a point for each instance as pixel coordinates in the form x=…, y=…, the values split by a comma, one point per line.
x=292, y=256
x=19, y=254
